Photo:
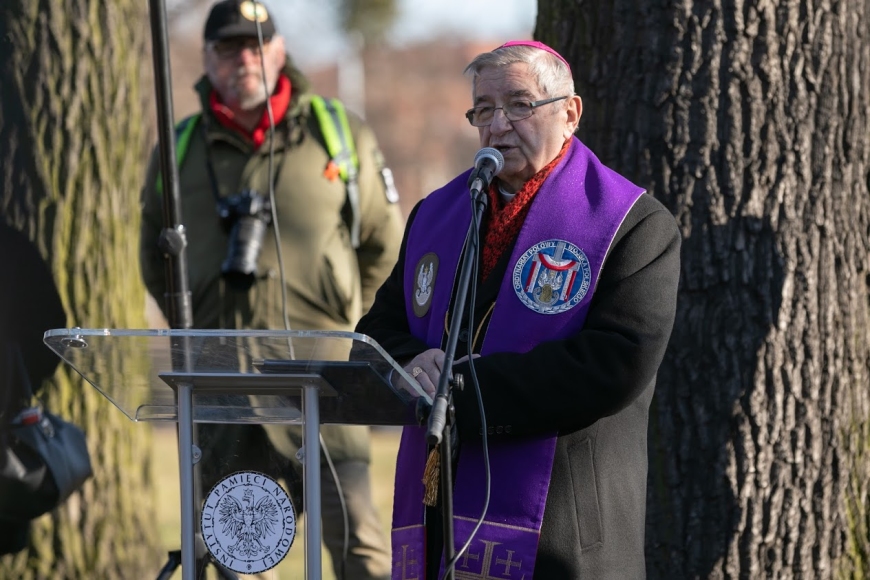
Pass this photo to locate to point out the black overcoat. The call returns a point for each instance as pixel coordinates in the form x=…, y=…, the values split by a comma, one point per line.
x=594, y=388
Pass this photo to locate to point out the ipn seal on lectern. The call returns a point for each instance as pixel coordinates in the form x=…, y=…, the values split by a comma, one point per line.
x=248, y=522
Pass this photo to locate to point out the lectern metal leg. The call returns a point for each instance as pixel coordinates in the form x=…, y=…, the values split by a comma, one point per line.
x=185, y=469
x=311, y=463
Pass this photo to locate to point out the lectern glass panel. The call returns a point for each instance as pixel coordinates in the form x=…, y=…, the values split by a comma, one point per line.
x=239, y=376
x=228, y=381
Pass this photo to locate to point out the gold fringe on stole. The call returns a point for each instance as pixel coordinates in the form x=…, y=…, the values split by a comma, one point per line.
x=431, y=477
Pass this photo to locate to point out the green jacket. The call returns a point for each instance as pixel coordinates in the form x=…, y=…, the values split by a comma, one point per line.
x=329, y=283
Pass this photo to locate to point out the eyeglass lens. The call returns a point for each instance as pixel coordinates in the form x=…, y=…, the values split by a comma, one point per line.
x=513, y=111
x=232, y=47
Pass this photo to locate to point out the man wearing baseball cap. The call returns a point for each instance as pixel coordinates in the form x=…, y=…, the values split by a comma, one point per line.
x=232, y=19
x=335, y=251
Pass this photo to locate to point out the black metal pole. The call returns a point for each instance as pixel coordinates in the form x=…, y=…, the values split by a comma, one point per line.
x=173, y=244
x=173, y=240
x=441, y=416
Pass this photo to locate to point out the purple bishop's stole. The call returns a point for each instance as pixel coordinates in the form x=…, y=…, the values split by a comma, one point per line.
x=544, y=295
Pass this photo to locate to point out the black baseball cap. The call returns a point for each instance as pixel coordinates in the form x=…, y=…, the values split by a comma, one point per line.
x=238, y=18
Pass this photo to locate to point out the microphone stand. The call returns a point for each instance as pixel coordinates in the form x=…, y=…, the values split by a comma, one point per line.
x=173, y=243
x=441, y=417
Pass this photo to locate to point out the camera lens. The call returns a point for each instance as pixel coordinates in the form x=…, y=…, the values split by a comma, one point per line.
x=246, y=239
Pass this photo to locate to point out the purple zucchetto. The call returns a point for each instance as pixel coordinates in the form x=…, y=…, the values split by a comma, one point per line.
x=536, y=44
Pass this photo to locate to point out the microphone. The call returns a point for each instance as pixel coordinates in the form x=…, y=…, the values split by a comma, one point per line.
x=487, y=163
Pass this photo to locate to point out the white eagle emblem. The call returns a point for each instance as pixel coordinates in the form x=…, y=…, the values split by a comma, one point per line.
x=424, y=283
x=248, y=522
x=552, y=276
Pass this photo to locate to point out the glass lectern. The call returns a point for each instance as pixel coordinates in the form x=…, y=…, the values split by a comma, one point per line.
x=260, y=377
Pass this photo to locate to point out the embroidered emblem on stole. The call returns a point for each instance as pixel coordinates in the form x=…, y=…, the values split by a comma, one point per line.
x=424, y=283
x=552, y=276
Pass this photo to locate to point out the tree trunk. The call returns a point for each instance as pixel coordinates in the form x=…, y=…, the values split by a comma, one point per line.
x=72, y=151
x=750, y=122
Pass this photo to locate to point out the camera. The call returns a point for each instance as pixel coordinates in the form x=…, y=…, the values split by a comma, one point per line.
x=245, y=216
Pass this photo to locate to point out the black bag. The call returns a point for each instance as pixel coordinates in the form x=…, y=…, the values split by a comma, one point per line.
x=43, y=459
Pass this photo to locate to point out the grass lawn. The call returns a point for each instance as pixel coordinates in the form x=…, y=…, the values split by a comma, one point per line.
x=385, y=444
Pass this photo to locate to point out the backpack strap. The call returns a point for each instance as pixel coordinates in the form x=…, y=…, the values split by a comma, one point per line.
x=183, y=131
x=335, y=128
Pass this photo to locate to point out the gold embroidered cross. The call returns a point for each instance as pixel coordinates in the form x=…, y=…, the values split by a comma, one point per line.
x=486, y=572
x=468, y=555
x=408, y=560
x=507, y=563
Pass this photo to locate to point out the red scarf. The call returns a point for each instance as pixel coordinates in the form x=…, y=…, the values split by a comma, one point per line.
x=280, y=101
x=506, y=219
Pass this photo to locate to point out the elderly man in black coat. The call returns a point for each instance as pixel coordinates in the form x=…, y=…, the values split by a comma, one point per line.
x=574, y=307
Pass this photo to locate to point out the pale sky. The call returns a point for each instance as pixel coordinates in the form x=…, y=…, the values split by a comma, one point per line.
x=313, y=36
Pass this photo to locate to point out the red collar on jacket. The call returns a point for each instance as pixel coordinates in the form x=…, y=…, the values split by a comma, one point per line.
x=280, y=101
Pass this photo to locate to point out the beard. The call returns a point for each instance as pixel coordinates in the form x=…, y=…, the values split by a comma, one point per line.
x=251, y=95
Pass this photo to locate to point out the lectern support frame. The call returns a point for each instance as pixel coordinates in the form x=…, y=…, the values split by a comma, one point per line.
x=242, y=377
x=185, y=459
x=312, y=387
x=311, y=464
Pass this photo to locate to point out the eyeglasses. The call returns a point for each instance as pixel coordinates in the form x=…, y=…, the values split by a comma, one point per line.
x=513, y=111
x=233, y=47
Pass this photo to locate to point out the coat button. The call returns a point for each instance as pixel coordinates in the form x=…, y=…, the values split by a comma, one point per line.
x=507, y=429
x=499, y=430
x=490, y=431
x=463, y=335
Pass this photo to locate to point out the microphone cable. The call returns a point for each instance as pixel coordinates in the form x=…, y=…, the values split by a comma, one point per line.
x=282, y=275
x=271, y=168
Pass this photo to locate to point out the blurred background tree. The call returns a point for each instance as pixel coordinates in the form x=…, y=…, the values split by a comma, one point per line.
x=72, y=153
x=750, y=122
x=370, y=18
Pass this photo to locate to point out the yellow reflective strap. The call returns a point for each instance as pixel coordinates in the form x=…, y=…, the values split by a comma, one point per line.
x=335, y=128
x=183, y=133
x=339, y=144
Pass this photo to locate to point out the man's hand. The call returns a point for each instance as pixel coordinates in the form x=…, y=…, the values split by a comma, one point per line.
x=426, y=368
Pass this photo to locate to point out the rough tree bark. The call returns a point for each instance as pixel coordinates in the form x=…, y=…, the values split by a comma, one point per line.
x=72, y=149
x=749, y=120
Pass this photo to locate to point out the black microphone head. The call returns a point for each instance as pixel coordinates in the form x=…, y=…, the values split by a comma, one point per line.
x=491, y=153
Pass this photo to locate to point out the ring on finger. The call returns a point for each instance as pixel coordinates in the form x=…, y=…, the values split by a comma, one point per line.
x=416, y=371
